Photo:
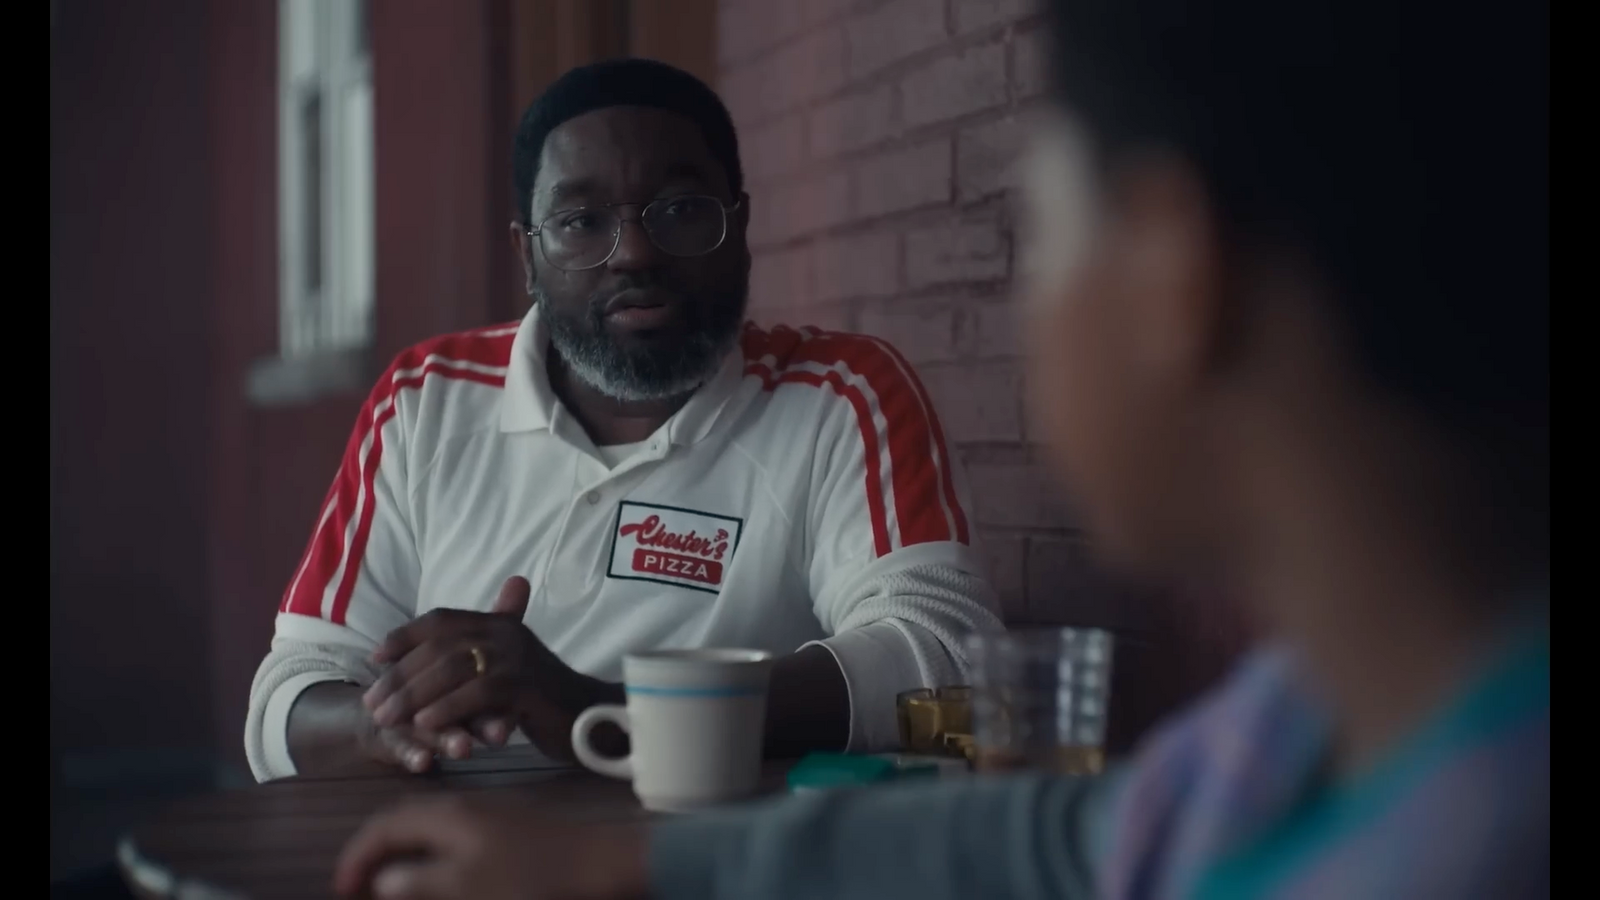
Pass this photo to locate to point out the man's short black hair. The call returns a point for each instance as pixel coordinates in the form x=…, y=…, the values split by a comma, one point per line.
x=1402, y=145
x=621, y=82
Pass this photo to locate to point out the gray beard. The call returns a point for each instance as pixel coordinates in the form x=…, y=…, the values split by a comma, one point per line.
x=593, y=357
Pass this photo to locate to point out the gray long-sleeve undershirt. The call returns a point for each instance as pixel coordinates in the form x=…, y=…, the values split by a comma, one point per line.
x=1024, y=837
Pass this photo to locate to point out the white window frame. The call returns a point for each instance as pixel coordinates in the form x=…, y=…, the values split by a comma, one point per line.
x=326, y=299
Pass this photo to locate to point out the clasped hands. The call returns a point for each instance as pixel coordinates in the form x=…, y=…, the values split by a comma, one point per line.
x=452, y=675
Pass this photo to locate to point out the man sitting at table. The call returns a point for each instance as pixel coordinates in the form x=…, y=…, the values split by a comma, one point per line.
x=1288, y=327
x=631, y=467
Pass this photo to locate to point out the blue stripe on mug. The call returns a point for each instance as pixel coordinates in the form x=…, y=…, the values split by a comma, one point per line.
x=693, y=692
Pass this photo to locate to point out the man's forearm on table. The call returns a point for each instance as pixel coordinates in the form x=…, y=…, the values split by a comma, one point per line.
x=808, y=705
x=808, y=709
x=307, y=654
x=326, y=726
x=1028, y=836
x=839, y=694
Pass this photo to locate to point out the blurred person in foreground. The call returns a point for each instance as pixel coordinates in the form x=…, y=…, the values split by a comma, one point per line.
x=1288, y=319
x=631, y=467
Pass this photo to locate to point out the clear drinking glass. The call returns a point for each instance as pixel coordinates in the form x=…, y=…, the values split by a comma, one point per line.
x=1040, y=698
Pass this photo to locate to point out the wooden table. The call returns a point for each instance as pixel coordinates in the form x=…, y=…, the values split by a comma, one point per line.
x=280, y=839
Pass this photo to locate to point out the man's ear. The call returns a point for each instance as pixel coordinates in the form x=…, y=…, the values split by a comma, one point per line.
x=741, y=222
x=1168, y=260
x=522, y=246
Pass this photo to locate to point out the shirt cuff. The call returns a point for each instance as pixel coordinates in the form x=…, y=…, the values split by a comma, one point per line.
x=1020, y=836
x=878, y=663
x=275, y=719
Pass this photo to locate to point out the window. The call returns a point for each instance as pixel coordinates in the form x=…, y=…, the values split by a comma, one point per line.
x=325, y=208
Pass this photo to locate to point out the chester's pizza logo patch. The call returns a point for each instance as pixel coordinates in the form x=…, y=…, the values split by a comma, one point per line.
x=671, y=545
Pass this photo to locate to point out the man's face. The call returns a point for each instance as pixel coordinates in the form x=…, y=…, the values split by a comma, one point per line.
x=645, y=325
x=1113, y=311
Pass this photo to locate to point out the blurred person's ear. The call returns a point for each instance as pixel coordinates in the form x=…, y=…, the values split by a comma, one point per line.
x=1164, y=256
x=1124, y=317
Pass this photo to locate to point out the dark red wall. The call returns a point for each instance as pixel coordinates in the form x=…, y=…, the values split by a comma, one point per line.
x=178, y=511
x=442, y=163
x=441, y=77
x=131, y=243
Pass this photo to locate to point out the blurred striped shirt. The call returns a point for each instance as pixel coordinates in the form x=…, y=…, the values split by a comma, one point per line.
x=1229, y=802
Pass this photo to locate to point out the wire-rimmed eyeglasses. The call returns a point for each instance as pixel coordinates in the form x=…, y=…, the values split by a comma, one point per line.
x=586, y=237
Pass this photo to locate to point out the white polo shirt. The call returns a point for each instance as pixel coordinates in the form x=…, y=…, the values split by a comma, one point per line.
x=804, y=494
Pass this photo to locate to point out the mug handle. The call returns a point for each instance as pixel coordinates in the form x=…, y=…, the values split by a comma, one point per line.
x=616, y=767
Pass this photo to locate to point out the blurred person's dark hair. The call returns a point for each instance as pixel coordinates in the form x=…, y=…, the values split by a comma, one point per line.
x=1402, y=147
x=621, y=82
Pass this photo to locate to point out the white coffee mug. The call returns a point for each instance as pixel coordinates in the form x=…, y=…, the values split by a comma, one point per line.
x=695, y=720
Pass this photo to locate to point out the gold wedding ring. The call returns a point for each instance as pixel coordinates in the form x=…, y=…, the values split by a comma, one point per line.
x=478, y=660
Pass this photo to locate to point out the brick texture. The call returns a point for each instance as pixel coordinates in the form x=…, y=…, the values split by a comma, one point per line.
x=892, y=32
x=972, y=14
x=987, y=156
x=978, y=401
x=856, y=266
x=853, y=121
x=923, y=331
x=967, y=82
x=903, y=179
x=957, y=252
x=1028, y=67
x=881, y=139
x=1016, y=496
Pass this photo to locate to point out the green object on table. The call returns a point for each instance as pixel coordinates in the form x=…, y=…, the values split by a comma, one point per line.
x=820, y=771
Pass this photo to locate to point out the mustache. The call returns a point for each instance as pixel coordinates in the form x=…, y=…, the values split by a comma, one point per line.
x=601, y=299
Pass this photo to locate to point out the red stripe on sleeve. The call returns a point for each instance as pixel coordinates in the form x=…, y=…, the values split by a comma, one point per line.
x=946, y=474
x=326, y=549
x=358, y=544
x=869, y=440
x=912, y=432
x=351, y=492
